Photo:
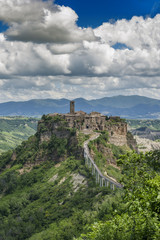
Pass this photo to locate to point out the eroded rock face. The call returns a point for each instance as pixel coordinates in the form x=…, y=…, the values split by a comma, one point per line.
x=146, y=145
x=61, y=126
x=53, y=131
x=131, y=142
x=117, y=133
x=48, y=127
x=45, y=137
x=77, y=181
x=107, y=153
x=145, y=132
x=57, y=124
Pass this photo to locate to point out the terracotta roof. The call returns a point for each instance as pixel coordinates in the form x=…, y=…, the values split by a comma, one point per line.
x=80, y=112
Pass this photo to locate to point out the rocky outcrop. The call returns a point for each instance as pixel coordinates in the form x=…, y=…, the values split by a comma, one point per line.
x=59, y=124
x=52, y=128
x=146, y=145
x=48, y=126
x=131, y=142
x=117, y=132
x=66, y=126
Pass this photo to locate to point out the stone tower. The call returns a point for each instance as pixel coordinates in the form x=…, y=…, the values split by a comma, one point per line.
x=72, y=111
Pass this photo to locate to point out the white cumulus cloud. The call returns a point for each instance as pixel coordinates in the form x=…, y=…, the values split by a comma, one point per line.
x=44, y=51
x=38, y=21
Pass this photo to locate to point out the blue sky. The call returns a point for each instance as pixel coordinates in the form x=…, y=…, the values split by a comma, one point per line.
x=3, y=27
x=94, y=13
x=77, y=48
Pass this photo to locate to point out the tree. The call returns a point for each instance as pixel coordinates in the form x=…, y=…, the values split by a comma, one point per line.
x=140, y=218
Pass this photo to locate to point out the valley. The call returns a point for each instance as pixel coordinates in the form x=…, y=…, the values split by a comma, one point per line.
x=14, y=130
x=146, y=133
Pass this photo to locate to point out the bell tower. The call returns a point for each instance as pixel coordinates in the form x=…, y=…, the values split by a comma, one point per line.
x=72, y=108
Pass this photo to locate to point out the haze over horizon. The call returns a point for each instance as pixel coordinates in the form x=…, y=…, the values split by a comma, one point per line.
x=71, y=49
x=78, y=98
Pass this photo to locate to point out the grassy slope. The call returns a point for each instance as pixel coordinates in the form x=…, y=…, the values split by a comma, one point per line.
x=14, y=130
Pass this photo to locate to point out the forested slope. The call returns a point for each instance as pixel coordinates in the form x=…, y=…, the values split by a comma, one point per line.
x=138, y=214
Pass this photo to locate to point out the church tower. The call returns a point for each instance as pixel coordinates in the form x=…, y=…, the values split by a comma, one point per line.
x=72, y=110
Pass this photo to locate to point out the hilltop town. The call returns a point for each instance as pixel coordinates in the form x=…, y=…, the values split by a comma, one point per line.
x=94, y=121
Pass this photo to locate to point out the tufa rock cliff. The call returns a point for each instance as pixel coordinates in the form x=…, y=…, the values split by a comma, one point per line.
x=57, y=138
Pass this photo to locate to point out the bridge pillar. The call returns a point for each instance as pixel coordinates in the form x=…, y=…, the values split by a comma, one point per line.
x=92, y=169
x=112, y=186
x=96, y=176
x=102, y=182
x=106, y=183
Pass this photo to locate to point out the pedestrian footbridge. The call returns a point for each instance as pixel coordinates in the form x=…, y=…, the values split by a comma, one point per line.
x=100, y=179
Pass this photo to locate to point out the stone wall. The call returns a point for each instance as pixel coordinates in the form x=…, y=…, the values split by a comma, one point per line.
x=85, y=121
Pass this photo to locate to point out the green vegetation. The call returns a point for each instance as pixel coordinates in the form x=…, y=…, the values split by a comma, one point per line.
x=152, y=124
x=138, y=217
x=104, y=153
x=114, y=172
x=14, y=130
x=82, y=138
x=114, y=121
x=51, y=200
x=47, y=192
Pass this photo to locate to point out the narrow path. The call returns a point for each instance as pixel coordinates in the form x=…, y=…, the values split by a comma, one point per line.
x=102, y=180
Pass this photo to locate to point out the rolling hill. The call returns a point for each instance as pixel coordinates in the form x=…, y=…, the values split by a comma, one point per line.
x=14, y=130
x=131, y=107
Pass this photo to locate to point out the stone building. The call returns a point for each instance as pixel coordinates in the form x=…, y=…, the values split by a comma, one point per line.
x=116, y=127
x=82, y=120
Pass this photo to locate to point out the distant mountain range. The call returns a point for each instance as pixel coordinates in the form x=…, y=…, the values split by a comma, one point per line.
x=131, y=107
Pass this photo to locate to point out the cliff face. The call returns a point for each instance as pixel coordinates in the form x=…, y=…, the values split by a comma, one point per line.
x=131, y=142
x=117, y=132
x=54, y=141
x=55, y=131
x=48, y=127
x=59, y=125
x=61, y=131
